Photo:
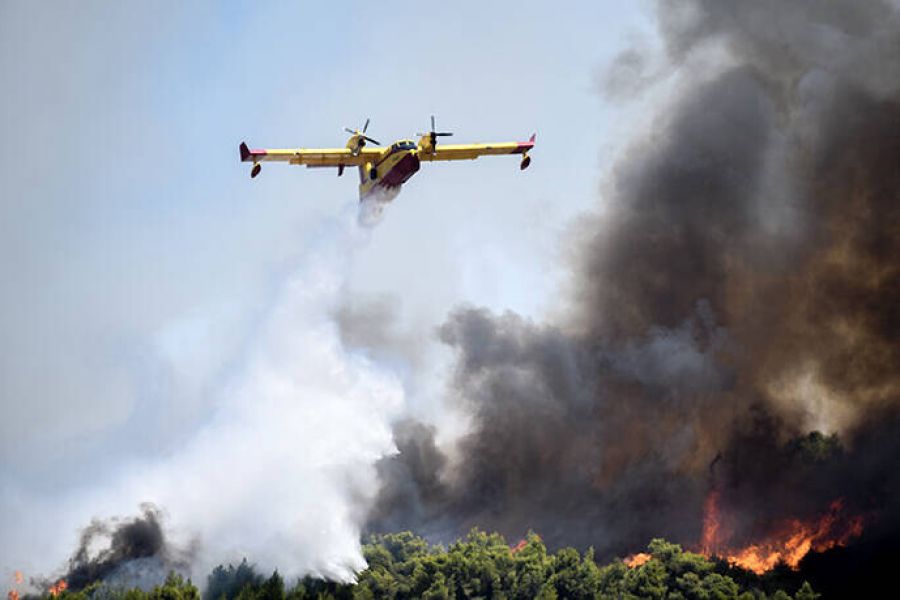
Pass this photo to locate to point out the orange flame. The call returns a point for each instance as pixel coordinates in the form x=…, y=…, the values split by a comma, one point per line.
x=709, y=542
x=519, y=546
x=636, y=560
x=790, y=542
x=58, y=588
x=13, y=594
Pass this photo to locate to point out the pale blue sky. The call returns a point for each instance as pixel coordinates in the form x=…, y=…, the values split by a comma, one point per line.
x=137, y=255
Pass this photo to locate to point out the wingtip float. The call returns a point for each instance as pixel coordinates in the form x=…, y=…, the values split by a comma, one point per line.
x=384, y=168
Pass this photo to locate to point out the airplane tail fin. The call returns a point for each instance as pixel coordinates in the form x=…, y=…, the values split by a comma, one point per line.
x=245, y=152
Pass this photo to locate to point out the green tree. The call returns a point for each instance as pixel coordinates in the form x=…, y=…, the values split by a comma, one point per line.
x=438, y=590
x=531, y=568
x=806, y=592
x=227, y=582
x=272, y=589
x=648, y=580
x=175, y=588
x=573, y=577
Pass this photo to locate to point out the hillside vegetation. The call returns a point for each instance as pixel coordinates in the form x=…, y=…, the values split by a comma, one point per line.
x=483, y=565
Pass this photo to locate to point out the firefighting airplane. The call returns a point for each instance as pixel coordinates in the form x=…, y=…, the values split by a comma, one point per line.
x=384, y=170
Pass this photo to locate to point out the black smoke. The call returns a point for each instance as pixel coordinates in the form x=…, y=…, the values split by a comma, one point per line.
x=739, y=289
x=128, y=552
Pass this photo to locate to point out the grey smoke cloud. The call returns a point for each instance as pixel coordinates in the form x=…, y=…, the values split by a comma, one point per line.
x=739, y=288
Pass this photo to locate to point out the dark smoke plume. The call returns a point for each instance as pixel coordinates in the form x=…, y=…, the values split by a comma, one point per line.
x=740, y=289
x=135, y=554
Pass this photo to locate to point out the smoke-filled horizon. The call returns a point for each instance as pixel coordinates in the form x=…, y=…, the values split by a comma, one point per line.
x=739, y=290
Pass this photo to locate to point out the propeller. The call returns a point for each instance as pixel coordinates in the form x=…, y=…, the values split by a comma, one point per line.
x=435, y=134
x=362, y=133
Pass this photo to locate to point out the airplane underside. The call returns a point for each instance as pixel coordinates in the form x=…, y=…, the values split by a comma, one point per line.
x=388, y=184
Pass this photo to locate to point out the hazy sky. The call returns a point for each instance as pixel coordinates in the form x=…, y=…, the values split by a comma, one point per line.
x=138, y=259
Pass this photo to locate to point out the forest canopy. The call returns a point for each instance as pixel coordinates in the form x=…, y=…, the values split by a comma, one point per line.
x=483, y=565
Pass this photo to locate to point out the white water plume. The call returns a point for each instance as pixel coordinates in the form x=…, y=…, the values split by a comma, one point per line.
x=283, y=471
x=372, y=207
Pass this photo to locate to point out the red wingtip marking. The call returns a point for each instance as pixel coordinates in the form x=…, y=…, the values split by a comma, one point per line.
x=525, y=146
x=248, y=154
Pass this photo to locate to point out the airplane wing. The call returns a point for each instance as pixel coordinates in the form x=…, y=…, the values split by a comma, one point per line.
x=473, y=151
x=311, y=157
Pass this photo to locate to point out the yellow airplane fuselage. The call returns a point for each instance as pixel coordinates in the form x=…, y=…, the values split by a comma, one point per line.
x=387, y=172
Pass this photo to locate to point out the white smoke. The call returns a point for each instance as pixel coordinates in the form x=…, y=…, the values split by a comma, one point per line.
x=284, y=469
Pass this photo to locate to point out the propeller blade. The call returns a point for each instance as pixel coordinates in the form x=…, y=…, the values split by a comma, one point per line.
x=432, y=122
x=376, y=142
x=443, y=133
x=366, y=126
x=348, y=130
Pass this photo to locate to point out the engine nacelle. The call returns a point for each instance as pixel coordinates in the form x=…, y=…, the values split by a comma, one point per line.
x=355, y=144
x=526, y=160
